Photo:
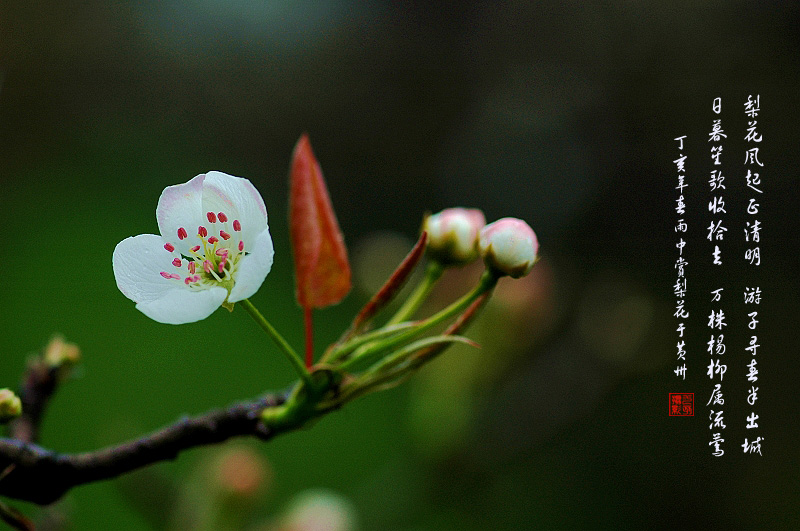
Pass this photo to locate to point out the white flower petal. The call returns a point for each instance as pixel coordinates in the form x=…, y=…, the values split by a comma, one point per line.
x=253, y=268
x=179, y=306
x=238, y=199
x=179, y=206
x=138, y=262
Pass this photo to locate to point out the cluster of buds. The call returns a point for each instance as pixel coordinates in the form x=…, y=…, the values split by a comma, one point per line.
x=457, y=236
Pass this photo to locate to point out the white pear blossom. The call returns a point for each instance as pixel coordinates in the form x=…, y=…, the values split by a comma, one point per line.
x=453, y=235
x=214, y=248
x=509, y=246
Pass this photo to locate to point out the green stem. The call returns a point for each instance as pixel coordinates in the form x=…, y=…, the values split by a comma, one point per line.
x=433, y=271
x=488, y=281
x=346, y=348
x=400, y=355
x=284, y=345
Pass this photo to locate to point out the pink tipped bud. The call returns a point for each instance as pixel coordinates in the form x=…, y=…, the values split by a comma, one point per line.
x=212, y=240
x=453, y=235
x=165, y=275
x=192, y=267
x=241, y=246
x=509, y=246
x=177, y=262
x=222, y=217
x=224, y=235
x=182, y=234
x=207, y=266
x=212, y=218
x=236, y=225
x=169, y=247
x=202, y=232
x=195, y=248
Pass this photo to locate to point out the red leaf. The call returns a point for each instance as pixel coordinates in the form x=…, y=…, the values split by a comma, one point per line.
x=389, y=289
x=322, y=271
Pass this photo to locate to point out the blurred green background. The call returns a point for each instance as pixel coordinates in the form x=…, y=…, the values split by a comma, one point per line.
x=558, y=113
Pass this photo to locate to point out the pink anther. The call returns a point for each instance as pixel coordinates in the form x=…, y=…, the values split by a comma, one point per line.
x=212, y=218
x=192, y=267
x=202, y=232
x=212, y=240
x=224, y=235
x=195, y=248
x=236, y=225
x=182, y=234
x=241, y=246
x=188, y=280
x=169, y=247
x=176, y=262
x=222, y=252
x=165, y=274
x=207, y=266
x=221, y=266
x=222, y=217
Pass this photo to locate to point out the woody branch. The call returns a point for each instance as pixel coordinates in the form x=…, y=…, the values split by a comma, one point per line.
x=32, y=473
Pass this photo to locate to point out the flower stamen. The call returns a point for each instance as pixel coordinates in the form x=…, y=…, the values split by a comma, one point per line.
x=215, y=257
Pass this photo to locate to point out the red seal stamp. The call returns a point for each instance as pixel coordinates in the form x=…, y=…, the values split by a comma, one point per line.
x=681, y=404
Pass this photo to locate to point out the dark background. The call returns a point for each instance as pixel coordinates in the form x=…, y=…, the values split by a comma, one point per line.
x=561, y=114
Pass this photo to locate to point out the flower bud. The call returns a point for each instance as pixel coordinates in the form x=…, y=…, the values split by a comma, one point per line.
x=10, y=405
x=509, y=246
x=60, y=353
x=453, y=235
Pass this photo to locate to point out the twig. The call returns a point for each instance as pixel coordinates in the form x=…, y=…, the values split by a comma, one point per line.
x=41, y=476
x=42, y=375
x=38, y=385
